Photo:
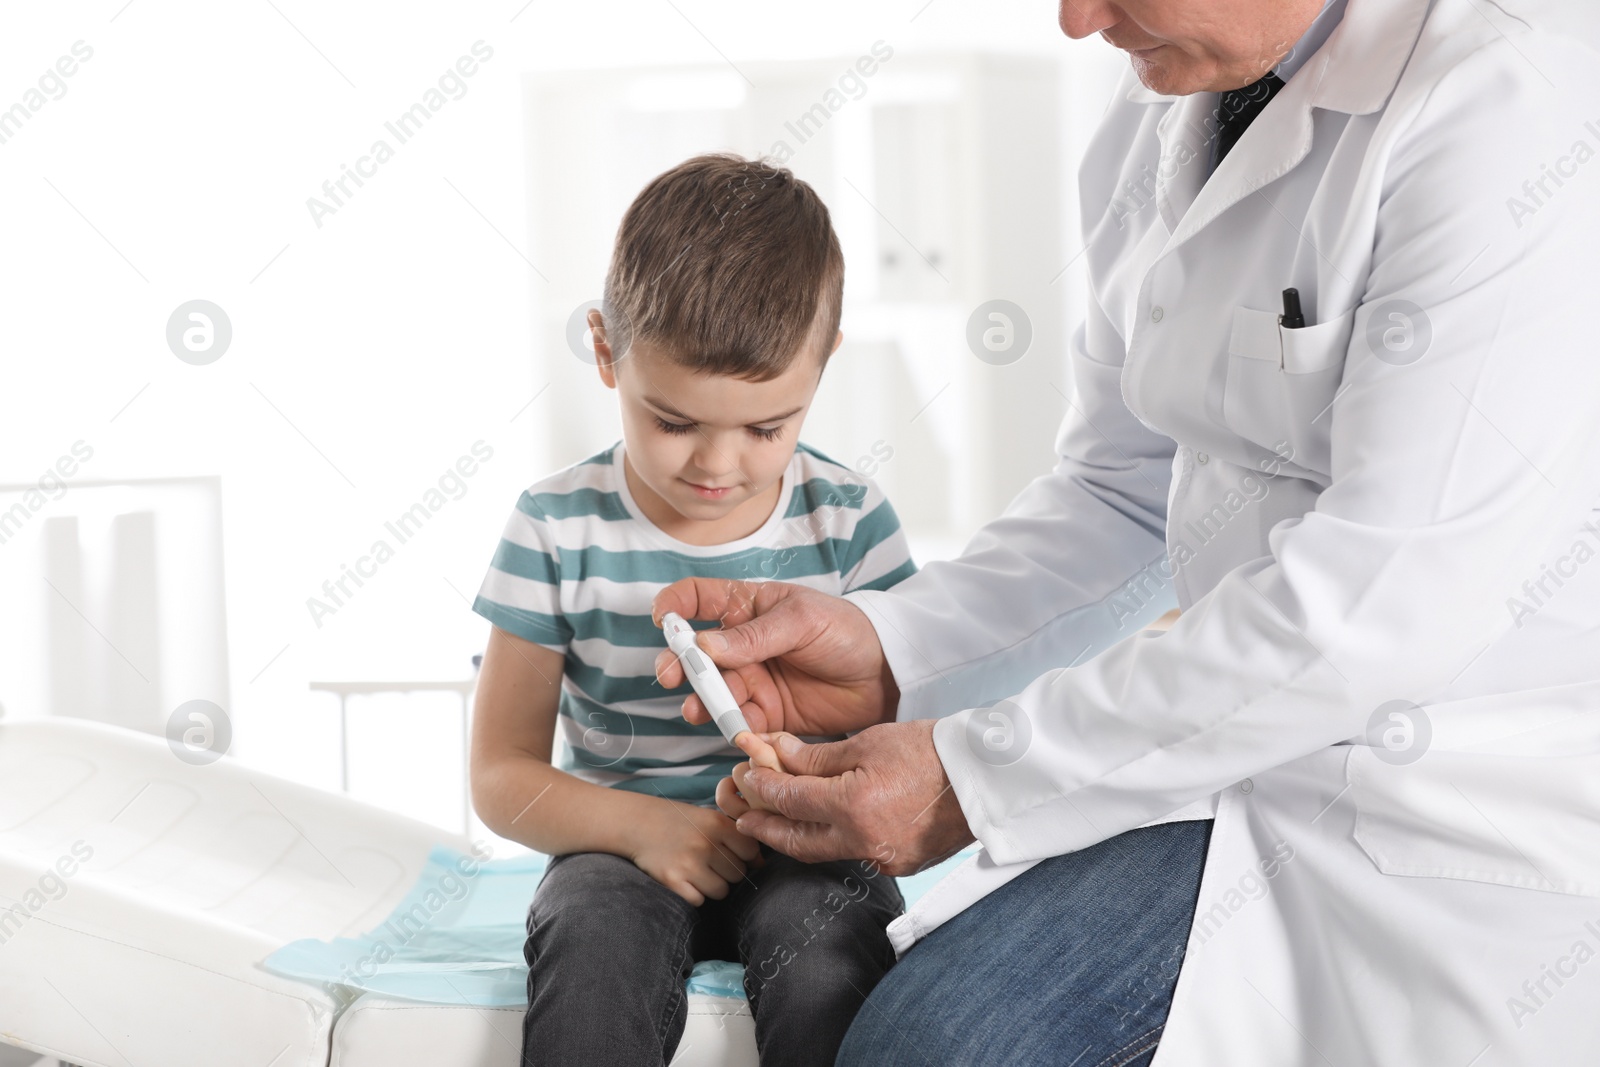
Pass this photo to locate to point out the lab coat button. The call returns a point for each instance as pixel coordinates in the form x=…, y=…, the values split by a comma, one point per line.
x=1156, y=313
x=1247, y=786
x=1201, y=457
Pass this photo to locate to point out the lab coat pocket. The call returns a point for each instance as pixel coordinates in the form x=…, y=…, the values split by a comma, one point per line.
x=1281, y=383
x=1526, y=821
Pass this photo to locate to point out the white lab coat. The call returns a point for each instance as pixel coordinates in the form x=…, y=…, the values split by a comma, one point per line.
x=1366, y=510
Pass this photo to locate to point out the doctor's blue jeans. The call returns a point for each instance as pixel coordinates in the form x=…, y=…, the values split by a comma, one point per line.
x=1071, y=963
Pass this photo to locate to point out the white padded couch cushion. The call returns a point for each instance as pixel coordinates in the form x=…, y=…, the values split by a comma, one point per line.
x=181, y=878
x=379, y=1031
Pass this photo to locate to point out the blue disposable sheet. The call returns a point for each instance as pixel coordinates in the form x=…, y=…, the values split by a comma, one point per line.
x=457, y=938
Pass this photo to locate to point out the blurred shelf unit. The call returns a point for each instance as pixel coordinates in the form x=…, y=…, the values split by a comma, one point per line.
x=115, y=597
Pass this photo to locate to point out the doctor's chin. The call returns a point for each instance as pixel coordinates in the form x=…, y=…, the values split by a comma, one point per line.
x=1058, y=534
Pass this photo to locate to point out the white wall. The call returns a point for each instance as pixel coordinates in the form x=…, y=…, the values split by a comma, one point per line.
x=369, y=353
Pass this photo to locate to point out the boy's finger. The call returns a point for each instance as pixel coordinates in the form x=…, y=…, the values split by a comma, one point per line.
x=761, y=753
x=687, y=892
x=737, y=776
x=726, y=866
x=747, y=849
x=729, y=802
x=709, y=882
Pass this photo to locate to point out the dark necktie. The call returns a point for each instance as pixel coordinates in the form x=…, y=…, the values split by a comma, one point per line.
x=1237, y=110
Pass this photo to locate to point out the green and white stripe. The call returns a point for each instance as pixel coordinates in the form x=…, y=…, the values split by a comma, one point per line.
x=579, y=565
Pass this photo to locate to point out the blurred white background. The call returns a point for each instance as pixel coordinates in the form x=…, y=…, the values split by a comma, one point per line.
x=373, y=346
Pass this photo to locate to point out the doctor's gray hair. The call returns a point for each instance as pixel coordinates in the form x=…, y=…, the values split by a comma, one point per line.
x=730, y=265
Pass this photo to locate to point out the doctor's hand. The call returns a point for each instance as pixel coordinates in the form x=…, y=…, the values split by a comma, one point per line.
x=881, y=795
x=795, y=659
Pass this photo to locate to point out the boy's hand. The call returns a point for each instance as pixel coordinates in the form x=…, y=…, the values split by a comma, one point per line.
x=763, y=752
x=695, y=852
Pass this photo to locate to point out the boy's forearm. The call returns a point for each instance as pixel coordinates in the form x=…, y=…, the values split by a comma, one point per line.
x=528, y=801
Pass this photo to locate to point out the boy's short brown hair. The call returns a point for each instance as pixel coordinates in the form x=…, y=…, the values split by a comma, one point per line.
x=730, y=265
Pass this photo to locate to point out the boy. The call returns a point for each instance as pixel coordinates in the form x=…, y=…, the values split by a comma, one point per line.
x=722, y=306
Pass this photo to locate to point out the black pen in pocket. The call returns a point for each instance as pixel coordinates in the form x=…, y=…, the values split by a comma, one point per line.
x=1291, y=319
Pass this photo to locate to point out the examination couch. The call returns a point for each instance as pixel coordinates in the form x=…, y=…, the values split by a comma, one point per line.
x=139, y=894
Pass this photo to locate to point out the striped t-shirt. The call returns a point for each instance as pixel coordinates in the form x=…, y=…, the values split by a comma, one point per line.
x=577, y=570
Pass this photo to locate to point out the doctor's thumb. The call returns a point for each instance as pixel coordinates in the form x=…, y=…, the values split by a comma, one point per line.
x=824, y=760
x=762, y=638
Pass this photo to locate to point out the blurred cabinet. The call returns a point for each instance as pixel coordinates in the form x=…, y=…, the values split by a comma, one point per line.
x=114, y=598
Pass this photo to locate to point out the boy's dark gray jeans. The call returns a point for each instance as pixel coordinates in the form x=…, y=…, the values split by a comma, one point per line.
x=609, y=949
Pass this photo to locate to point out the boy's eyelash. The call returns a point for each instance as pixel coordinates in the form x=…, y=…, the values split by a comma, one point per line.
x=763, y=432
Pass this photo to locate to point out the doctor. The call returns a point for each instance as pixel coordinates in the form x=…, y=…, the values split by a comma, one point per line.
x=1346, y=811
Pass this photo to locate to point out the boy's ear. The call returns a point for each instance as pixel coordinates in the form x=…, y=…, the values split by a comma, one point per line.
x=604, y=359
x=838, y=339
